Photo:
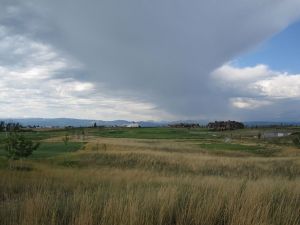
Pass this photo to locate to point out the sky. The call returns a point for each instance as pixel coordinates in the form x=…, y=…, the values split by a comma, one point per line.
x=150, y=60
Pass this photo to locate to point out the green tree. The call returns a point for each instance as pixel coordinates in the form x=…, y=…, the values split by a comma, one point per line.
x=2, y=126
x=66, y=139
x=296, y=140
x=13, y=127
x=18, y=146
x=259, y=135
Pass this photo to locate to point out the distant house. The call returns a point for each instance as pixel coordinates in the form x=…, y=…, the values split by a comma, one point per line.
x=275, y=134
x=225, y=125
x=133, y=125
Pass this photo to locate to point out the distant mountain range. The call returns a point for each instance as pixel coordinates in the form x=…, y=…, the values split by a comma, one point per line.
x=271, y=123
x=63, y=122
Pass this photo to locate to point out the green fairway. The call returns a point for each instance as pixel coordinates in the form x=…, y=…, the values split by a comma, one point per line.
x=38, y=135
x=154, y=133
x=49, y=149
x=256, y=149
x=232, y=147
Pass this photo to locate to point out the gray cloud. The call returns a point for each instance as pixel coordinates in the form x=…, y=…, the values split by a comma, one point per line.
x=40, y=82
x=159, y=52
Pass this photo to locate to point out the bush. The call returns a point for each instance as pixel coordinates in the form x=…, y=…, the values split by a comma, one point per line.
x=18, y=146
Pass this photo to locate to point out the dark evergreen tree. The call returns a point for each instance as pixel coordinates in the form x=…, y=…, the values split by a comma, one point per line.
x=2, y=126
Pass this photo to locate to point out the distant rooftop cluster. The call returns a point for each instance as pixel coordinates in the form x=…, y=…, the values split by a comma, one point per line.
x=184, y=125
x=225, y=125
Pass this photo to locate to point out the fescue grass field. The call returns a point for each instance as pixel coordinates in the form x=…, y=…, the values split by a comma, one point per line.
x=149, y=176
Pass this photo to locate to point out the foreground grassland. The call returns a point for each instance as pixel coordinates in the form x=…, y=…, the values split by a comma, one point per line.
x=153, y=176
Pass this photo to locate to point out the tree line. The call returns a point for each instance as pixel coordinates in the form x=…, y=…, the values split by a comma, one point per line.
x=10, y=127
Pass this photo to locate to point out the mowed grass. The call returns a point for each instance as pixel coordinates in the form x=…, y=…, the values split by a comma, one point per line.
x=54, y=149
x=256, y=149
x=175, y=180
x=50, y=149
x=154, y=133
x=38, y=135
x=230, y=146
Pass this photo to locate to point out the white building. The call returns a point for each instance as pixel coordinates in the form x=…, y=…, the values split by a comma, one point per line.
x=274, y=134
x=133, y=125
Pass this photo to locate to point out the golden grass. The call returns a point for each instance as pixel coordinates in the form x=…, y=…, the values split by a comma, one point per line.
x=138, y=184
x=193, y=162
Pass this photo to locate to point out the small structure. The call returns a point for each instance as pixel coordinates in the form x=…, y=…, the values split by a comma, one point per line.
x=225, y=125
x=133, y=125
x=275, y=134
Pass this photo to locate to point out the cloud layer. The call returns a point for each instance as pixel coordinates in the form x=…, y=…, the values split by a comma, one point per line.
x=260, y=89
x=140, y=59
x=40, y=82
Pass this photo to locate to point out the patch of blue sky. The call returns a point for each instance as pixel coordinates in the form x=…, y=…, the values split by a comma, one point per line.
x=281, y=52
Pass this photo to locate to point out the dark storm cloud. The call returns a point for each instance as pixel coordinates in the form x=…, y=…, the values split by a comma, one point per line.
x=160, y=52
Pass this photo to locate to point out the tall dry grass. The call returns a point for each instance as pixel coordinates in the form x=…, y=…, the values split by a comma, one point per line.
x=193, y=162
x=114, y=185
x=68, y=196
